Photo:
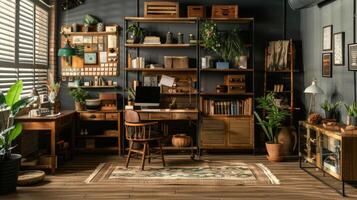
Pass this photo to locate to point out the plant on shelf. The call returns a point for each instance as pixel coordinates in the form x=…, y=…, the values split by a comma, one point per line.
x=330, y=109
x=79, y=95
x=10, y=106
x=136, y=33
x=270, y=123
x=131, y=96
x=226, y=45
x=88, y=21
x=352, y=113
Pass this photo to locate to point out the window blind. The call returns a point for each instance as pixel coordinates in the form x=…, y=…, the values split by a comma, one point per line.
x=26, y=57
x=8, y=72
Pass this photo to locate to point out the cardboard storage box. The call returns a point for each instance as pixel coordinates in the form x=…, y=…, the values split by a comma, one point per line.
x=176, y=62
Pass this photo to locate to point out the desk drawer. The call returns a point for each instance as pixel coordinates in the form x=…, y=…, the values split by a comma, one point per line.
x=111, y=116
x=92, y=116
x=184, y=116
x=159, y=116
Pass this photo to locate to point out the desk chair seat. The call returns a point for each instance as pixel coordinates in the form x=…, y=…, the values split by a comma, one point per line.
x=141, y=134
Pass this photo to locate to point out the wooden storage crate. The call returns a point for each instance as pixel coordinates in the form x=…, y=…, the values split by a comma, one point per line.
x=109, y=101
x=176, y=62
x=225, y=11
x=196, y=11
x=161, y=9
x=235, y=83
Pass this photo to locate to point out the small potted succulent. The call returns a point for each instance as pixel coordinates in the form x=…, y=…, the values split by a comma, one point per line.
x=270, y=122
x=352, y=114
x=131, y=96
x=330, y=109
x=79, y=95
x=136, y=33
x=10, y=106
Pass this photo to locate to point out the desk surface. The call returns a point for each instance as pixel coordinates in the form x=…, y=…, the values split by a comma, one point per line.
x=26, y=117
x=168, y=111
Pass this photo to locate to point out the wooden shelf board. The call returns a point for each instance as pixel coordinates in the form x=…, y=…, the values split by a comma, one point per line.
x=161, y=70
x=96, y=136
x=92, y=33
x=235, y=20
x=190, y=20
x=226, y=94
x=226, y=70
x=159, y=45
x=98, y=149
x=95, y=87
x=233, y=116
x=179, y=94
x=281, y=71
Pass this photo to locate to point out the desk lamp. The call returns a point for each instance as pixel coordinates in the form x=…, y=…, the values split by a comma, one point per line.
x=313, y=90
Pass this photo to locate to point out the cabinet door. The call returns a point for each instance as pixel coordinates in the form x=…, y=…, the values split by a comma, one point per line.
x=240, y=133
x=213, y=133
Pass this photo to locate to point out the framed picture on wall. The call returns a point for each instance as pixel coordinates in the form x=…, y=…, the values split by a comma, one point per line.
x=352, y=57
x=327, y=65
x=90, y=58
x=339, y=49
x=327, y=38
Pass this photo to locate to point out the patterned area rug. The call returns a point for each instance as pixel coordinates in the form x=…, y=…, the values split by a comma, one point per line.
x=204, y=173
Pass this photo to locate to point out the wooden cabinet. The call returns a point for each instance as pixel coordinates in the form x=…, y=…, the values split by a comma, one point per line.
x=227, y=132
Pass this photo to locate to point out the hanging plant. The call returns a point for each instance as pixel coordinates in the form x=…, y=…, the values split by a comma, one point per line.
x=70, y=4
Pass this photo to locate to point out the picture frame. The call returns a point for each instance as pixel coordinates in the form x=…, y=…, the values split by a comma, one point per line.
x=77, y=39
x=87, y=39
x=95, y=39
x=90, y=58
x=339, y=49
x=327, y=38
x=327, y=65
x=352, y=56
x=111, y=29
x=150, y=81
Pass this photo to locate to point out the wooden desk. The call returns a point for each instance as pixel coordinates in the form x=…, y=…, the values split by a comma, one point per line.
x=52, y=124
x=168, y=114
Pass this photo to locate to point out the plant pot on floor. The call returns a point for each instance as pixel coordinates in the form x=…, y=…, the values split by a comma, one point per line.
x=8, y=174
x=274, y=152
x=78, y=106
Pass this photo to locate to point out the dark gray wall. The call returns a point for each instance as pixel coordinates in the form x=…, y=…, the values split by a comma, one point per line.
x=340, y=15
x=268, y=26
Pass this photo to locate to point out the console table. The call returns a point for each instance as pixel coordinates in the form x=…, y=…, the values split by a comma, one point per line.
x=332, y=151
x=53, y=124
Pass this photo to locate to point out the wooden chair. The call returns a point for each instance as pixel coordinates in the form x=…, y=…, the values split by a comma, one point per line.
x=141, y=133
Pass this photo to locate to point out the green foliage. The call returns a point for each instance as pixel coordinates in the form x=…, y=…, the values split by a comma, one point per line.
x=13, y=103
x=131, y=94
x=79, y=95
x=351, y=109
x=210, y=36
x=273, y=117
x=90, y=20
x=135, y=30
x=228, y=45
x=330, y=107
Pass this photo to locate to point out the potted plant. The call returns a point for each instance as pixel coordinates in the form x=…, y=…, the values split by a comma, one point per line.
x=352, y=113
x=131, y=96
x=270, y=123
x=79, y=95
x=232, y=48
x=53, y=97
x=330, y=109
x=136, y=33
x=10, y=105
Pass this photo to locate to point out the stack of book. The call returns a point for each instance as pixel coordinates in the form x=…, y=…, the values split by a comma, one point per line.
x=138, y=62
x=227, y=107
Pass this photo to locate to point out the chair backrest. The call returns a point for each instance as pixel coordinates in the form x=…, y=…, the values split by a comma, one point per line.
x=132, y=116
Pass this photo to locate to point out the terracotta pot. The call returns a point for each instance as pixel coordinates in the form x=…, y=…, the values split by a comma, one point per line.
x=274, y=152
x=78, y=106
x=181, y=140
x=288, y=138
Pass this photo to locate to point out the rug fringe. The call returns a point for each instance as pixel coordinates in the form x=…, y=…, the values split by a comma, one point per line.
x=273, y=179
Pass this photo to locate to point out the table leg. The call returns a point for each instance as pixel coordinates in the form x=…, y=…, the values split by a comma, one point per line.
x=53, y=149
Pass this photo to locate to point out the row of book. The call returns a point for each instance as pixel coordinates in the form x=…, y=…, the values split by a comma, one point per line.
x=225, y=107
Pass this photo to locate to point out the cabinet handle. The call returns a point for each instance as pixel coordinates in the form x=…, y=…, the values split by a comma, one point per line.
x=92, y=116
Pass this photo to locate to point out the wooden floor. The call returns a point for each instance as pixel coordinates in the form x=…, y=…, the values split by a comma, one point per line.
x=68, y=183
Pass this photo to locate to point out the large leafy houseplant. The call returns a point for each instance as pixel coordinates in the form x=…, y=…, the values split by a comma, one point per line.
x=10, y=106
x=270, y=123
x=273, y=118
x=79, y=95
